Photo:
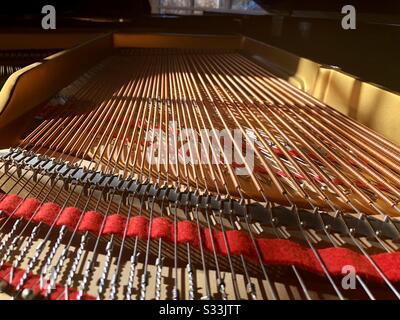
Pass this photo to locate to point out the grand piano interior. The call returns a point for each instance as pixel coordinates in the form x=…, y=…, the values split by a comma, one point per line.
x=199, y=149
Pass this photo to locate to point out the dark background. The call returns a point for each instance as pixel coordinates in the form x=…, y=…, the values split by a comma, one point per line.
x=371, y=52
x=110, y=8
x=371, y=6
x=129, y=8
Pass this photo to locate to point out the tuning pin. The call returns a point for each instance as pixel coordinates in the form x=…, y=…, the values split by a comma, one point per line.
x=19, y=172
x=85, y=190
x=27, y=294
x=251, y=290
x=3, y=286
x=159, y=263
x=12, y=273
x=191, y=281
x=132, y=273
x=35, y=176
x=41, y=281
x=213, y=220
x=66, y=292
x=221, y=289
x=238, y=226
x=66, y=187
x=175, y=293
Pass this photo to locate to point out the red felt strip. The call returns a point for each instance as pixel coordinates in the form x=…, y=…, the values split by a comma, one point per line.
x=389, y=264
x=47, y=213
x=285, y=252
x=10, y=203
x=187, y=233
x=138, y=226
x=161, y=228
x=239, y=243
x=69, y=217
x=91, y=222
x=336, y=258
x=115, y=224
x=27, y=208
x=209, y=240
x=272, y=251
